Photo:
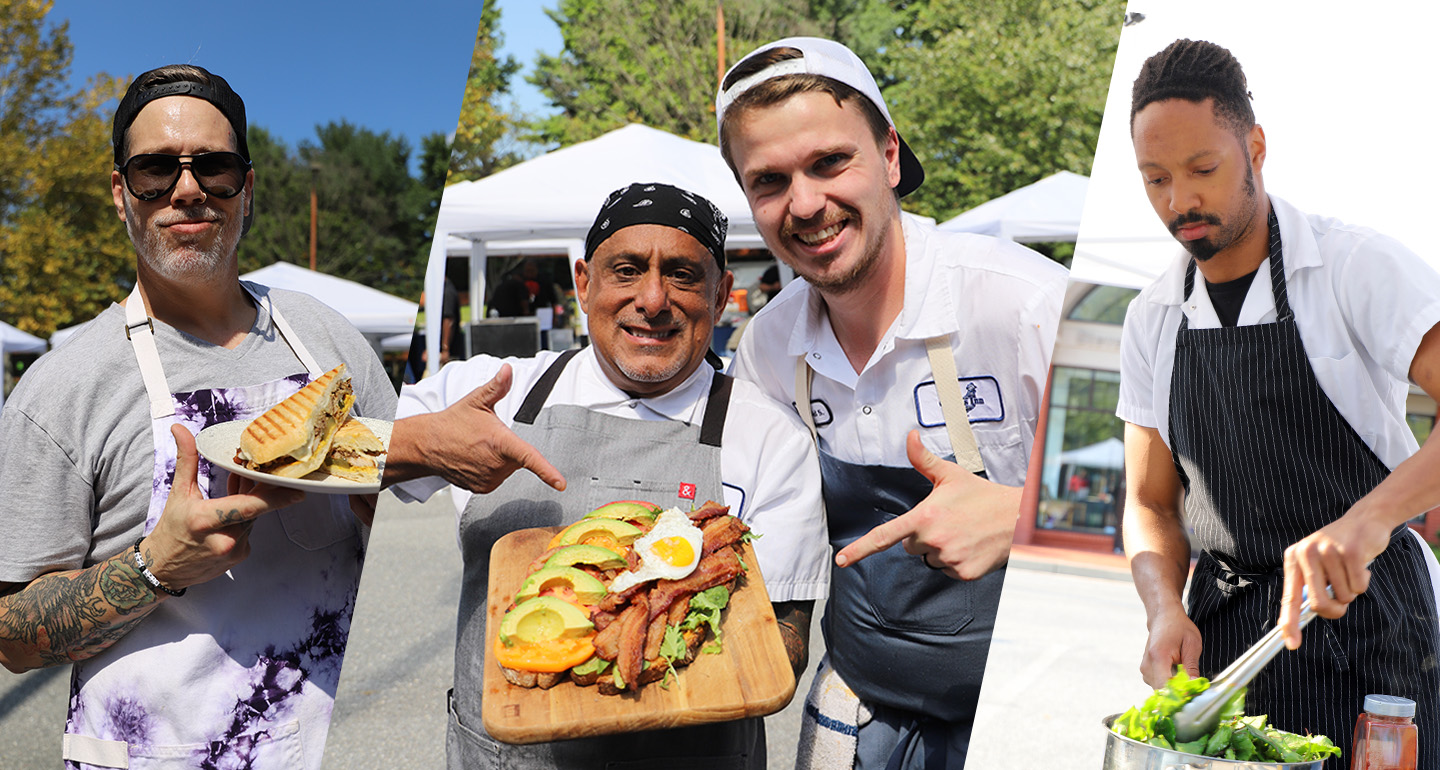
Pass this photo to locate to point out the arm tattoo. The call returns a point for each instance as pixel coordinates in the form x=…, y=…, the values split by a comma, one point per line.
x=68, y=616
x=794, y=621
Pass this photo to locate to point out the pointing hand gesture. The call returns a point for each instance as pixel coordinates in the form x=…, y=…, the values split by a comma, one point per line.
x=964, y=526
x=466, y=444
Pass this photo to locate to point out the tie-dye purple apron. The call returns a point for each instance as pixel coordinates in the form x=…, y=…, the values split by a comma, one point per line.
x=241, y=671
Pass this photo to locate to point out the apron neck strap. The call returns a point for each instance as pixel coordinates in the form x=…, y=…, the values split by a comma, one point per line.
x=286, y=333
x=947, y=384
x=535, y=399
x=140, y=330
x=717, y=405
x=952, y=404
x=712, y=424
x=1277, y=274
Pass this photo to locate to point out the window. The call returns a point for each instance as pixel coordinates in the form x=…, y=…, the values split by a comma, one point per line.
x=1082, y=481
x=1103, y=304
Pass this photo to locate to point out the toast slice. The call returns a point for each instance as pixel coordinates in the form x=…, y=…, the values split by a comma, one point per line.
x=293, y=437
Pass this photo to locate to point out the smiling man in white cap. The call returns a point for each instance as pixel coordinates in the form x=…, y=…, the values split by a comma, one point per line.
x=905, y=345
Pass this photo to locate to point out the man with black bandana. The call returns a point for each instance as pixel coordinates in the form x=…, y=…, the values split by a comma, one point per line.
x=1263, y=382
x=203, y=634
x=640, y=409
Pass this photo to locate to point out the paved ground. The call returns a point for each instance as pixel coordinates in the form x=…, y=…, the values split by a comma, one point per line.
x=1067, y=644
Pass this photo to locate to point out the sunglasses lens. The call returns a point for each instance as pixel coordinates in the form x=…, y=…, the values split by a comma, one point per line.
x=150, y=176
x=221, y=174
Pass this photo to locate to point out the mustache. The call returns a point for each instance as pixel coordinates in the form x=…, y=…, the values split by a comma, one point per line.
x=826, y=219
x=190, y=214
x=1192, y=218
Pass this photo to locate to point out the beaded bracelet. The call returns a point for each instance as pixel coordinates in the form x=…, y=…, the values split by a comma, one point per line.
x=149, y=576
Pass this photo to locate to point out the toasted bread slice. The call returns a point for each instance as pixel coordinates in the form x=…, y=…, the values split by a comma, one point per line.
x=355, y=453
x=294, y=436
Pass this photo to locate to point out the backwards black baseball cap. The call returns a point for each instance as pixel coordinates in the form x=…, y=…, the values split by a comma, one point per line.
x=181, y=80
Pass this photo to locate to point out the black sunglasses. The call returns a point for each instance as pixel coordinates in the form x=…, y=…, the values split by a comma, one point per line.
x=221, y=174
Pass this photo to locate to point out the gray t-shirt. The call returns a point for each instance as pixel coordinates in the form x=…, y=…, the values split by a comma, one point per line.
x=76, y=447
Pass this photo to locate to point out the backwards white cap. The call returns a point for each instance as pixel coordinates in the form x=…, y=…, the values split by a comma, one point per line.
x=830, y=59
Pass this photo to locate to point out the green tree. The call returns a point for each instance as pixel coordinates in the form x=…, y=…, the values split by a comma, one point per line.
x=64, y=254
x=651, y=62
x=374, y=217
x=994, y=96
x=478, y=150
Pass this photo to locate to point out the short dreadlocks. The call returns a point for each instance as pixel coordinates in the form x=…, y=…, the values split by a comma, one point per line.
x=1195, y=70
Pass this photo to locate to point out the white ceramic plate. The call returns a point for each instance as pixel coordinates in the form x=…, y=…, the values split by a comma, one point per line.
x=218, y=444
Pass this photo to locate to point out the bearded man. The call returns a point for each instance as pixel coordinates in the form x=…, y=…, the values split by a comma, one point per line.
x=202, y=633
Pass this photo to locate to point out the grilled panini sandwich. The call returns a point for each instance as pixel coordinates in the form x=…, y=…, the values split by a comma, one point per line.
x=293, y=438
x=355, y=454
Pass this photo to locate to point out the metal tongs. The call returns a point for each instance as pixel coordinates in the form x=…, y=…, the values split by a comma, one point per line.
x=1202, y=715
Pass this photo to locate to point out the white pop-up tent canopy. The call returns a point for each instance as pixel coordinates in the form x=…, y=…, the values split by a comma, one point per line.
x=13, y=340
x=376, y=314
x=373, y=312
x=1342, y=140
x=557, y=195
x=1045, y=211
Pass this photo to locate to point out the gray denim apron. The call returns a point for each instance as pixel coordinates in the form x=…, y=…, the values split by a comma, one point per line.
x=603, y=458
x=1266, y=460
x=900, y=634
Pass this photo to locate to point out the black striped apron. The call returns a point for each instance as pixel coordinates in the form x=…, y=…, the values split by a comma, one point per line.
x=1266, y=460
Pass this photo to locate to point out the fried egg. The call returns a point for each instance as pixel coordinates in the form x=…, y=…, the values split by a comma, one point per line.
x=669, y=551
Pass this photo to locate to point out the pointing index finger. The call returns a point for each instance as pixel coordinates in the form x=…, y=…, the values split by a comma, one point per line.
x=877, y=539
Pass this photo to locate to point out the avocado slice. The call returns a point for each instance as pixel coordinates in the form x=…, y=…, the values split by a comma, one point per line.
x=587, y=589
x=599, y=556
x=626, y=510
x=612, y=530
x=543, y=619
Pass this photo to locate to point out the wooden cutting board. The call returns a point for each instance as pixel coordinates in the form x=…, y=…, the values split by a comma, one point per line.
x=751, y=677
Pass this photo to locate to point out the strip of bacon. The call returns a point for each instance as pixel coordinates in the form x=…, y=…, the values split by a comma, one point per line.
x=713, y=570
x=634, y=624
x=709, y=510
x=718, y=533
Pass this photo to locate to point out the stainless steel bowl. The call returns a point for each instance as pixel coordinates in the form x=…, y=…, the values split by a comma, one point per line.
x=1122, y=753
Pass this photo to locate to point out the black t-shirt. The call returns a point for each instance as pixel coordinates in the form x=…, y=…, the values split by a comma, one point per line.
x=1228, y=297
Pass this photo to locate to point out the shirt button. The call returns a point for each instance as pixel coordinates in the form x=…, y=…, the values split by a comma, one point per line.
x=815, y=356
x=866, y=410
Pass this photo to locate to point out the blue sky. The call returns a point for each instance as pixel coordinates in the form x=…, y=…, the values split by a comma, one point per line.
x=397, y=67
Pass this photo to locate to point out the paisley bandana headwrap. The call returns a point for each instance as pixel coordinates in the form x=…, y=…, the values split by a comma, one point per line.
x=653, y=203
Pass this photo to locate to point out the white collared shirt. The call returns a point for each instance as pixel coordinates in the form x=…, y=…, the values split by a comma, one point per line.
x=999, y=302
x=1362, y=303
x=768, y=464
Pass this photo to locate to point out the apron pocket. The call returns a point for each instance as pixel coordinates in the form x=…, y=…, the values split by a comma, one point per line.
x=905, y=595
x=466, y=749
x=319, y=521
x=665, y=494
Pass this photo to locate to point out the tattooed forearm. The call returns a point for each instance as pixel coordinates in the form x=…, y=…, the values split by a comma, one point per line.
x=68, y=616
x=794, y=621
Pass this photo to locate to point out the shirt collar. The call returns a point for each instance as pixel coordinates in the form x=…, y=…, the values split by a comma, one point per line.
x=682, y=403
x=1298, y=246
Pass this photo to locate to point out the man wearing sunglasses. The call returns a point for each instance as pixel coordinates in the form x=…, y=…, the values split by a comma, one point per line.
x=202, y=633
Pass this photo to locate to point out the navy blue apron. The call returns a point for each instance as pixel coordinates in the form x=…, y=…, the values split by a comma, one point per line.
x=1266, y=460
x=900, y=634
